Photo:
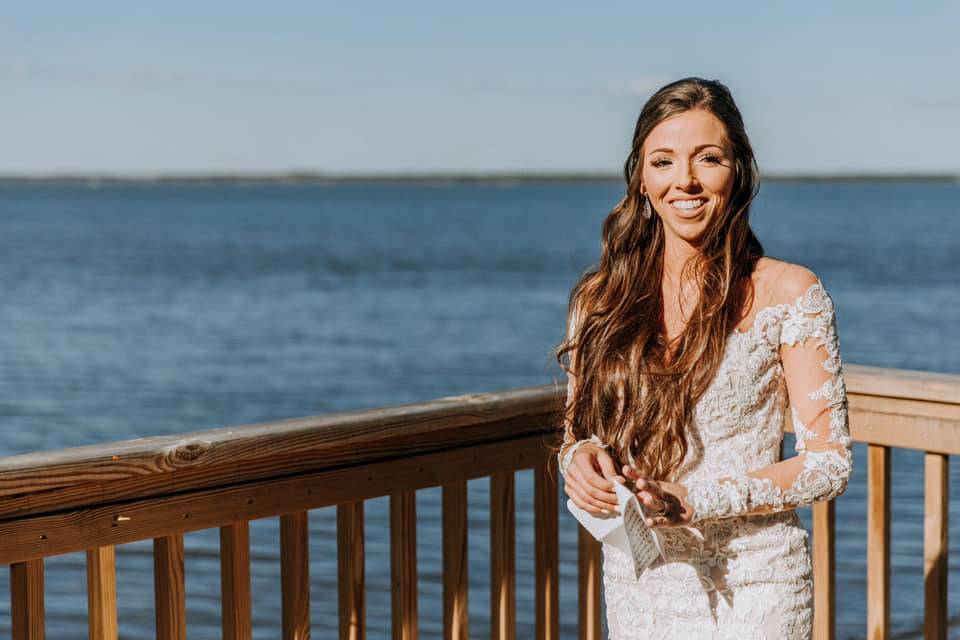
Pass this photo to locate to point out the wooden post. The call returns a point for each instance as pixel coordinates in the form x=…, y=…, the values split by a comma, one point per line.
x=26, y=600
x=235, y=581
x=455, y=623
x=102, y=593
x=168, y=588
x=502, y=565
x=295, y=575
x=350, y=571
x=403, y=564
x=547, y=549
x=824, y=612
x=878, y=542
x=935, y=524
x=588, y=556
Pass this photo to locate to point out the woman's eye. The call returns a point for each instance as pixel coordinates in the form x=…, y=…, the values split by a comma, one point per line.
x=659, y=162
x=711, y=158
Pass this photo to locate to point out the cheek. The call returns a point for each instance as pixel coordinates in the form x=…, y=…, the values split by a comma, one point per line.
x=722, y=184
x=655, y=184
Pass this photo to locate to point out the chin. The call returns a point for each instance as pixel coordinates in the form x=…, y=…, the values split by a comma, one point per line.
x=688, y=229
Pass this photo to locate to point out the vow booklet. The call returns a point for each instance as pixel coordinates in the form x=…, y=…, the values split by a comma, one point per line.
x=626, y=530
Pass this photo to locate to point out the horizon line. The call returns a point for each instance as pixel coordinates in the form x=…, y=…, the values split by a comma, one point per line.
x=312, y=177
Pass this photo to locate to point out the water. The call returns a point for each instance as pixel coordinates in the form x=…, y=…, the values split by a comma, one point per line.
x=130, y=311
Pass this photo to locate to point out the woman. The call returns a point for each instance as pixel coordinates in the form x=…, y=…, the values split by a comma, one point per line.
x=685, y=346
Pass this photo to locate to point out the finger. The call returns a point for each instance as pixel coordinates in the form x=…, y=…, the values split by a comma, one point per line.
x=652, y=486
x=588, y=503
x=600, y=492
x=601, y=499
x=650, y=501
x=659, y=521
x=651, y=494
x=630, y=472
x=596, y=484
x=608, y=468
x=591, y=472
x=579, y=501
x=608, y=499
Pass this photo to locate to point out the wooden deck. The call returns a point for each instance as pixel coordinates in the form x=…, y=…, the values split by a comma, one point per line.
x=90, y=499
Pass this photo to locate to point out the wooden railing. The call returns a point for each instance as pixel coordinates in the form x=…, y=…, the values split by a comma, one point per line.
x=93, y=498
x=894, y=409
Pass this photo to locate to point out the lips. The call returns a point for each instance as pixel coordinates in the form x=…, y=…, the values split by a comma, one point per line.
x=688, y=210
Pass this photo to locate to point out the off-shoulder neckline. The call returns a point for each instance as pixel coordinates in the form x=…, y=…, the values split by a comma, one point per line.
x=775, y=310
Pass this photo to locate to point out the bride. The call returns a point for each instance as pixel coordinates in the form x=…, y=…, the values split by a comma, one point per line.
x=685, y=346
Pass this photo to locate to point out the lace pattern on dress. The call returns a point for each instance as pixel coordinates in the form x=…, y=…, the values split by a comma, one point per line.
x=827, y=461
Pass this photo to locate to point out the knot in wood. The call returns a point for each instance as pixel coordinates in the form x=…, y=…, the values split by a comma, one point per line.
x=188, y=452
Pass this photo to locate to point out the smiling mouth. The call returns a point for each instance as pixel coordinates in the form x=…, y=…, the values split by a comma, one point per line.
x=687, y=207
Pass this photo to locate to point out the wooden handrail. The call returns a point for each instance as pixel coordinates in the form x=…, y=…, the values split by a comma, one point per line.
x=50, y=481
x=91, y=498
x=46, y=482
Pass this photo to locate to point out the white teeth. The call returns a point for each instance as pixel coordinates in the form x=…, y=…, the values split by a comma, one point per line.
x=687, y=205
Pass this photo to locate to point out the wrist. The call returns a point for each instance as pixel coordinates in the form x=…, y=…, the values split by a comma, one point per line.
x=593, y=442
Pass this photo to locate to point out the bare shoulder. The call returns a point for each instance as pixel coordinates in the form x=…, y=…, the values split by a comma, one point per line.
x=783, y=282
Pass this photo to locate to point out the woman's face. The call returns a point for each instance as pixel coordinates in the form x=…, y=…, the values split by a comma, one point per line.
x=687, y=172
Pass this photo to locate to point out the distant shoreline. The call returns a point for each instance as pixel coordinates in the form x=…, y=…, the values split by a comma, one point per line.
x=412, y=178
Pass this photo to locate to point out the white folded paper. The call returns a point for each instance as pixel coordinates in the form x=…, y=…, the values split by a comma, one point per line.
x=626, y=530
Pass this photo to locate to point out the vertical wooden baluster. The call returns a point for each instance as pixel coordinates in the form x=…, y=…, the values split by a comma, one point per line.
x=455, y=561
x=547, y=554
x=26, y=600
x=878, y=542
x=502, y=561
x=102, y=593
x=403, y=564
x=935, y=523
x=235, y=581
x=168, y=588
x=588, y=556
x=295, y=575
x=350, y=571
x=824, y=562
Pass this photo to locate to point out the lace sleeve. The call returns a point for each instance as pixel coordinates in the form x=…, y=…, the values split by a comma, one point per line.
x=810, y=354
x=570, y=444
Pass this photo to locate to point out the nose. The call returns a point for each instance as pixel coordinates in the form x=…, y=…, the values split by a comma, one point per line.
x=686, y=178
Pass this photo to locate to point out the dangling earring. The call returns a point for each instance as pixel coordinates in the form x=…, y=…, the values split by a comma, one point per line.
x=647, y=210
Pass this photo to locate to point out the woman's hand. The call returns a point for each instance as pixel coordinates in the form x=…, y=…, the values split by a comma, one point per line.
x=666, y=500
x=589, y=479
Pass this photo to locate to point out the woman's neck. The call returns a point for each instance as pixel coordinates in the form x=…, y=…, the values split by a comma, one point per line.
x=676, y=253
x=680, y=295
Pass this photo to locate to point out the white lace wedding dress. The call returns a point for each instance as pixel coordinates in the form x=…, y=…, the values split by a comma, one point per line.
x=750, y=575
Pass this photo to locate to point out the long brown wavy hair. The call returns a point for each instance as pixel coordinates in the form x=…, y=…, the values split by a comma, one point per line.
x=632, y=389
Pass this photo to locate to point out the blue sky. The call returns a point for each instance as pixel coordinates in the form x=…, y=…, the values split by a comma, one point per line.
x=348, y=87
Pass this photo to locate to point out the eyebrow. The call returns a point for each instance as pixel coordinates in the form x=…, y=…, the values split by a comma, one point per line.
x=698, y=148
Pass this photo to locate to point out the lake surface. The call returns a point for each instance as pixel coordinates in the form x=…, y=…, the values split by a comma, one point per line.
x=131, y=311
